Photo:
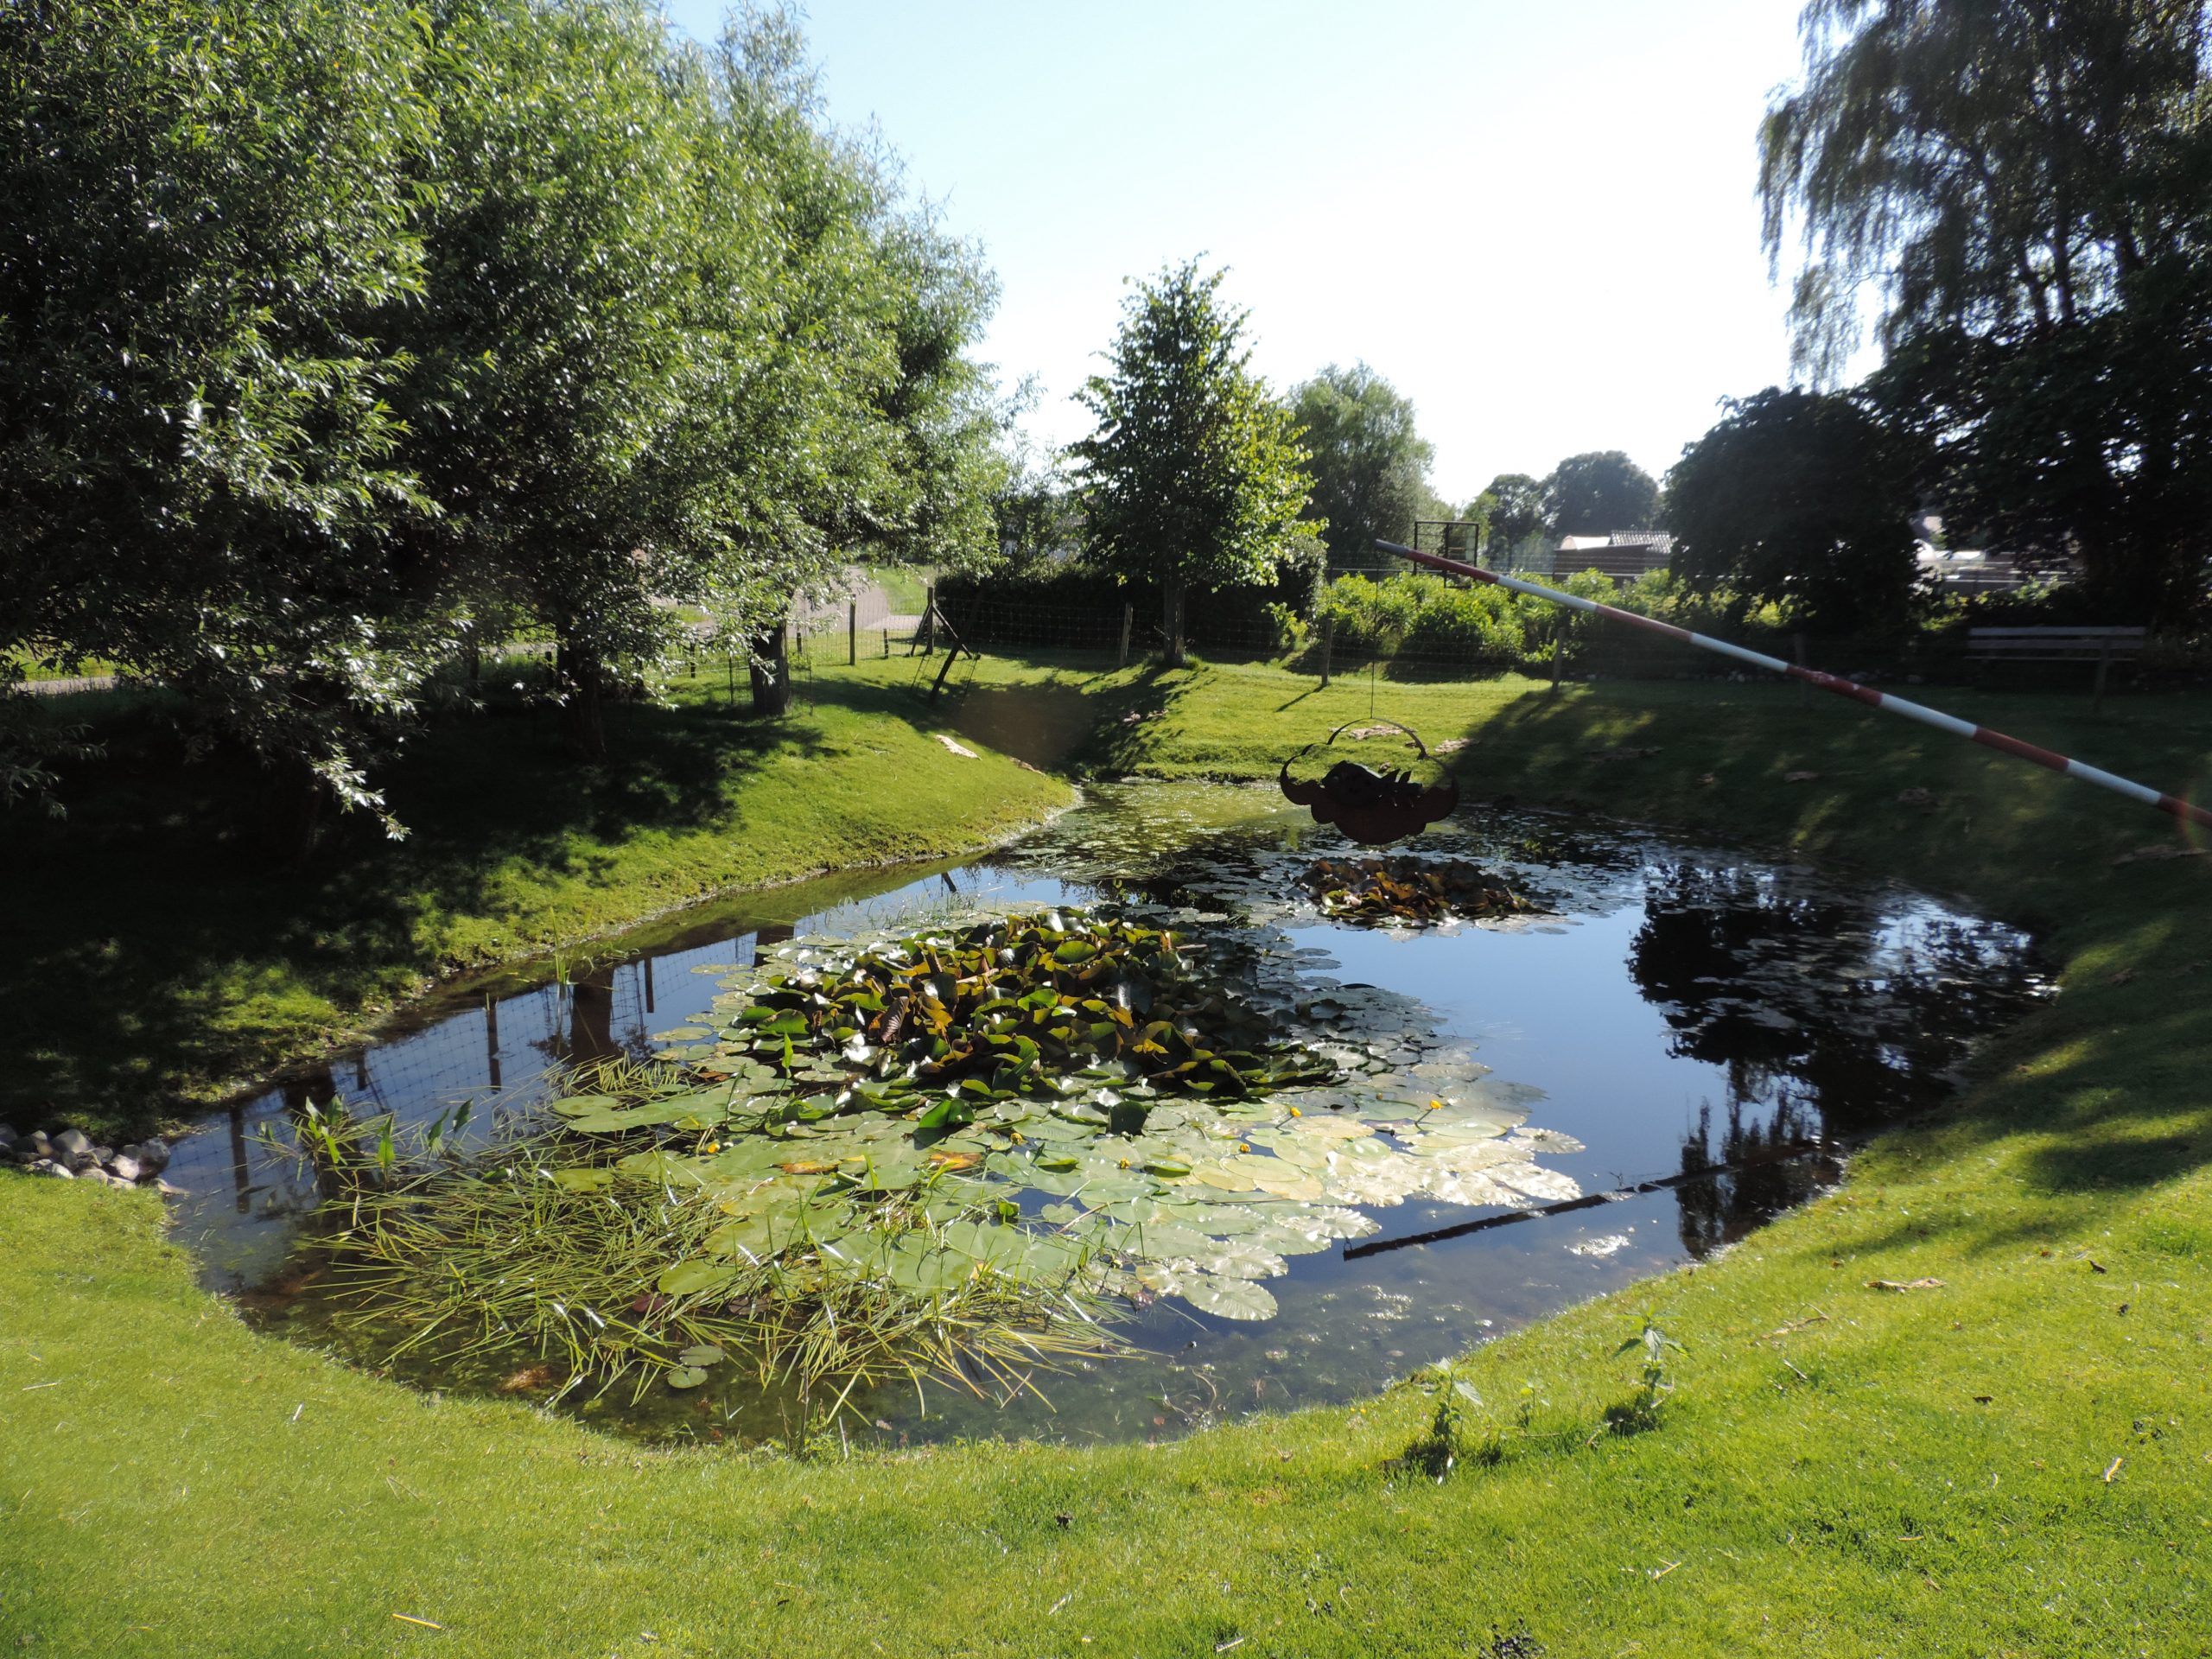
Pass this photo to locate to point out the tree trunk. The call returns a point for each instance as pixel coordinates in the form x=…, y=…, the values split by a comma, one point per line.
x=771, y=671
x=1172, y=594
x=581, y=677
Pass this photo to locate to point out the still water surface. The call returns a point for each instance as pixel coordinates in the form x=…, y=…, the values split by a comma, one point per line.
x=1697, y=1017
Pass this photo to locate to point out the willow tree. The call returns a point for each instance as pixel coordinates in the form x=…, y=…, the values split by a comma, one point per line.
x=1194, y=474
x=860, y=422
x=557, y=360
x=2019, y=193
x=1369, y=460
x=206, y=215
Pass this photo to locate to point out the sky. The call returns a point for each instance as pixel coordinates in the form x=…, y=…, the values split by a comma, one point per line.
x=1538, y=221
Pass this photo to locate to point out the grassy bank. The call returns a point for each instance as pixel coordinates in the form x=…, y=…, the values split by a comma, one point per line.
x=2015, y=1460
x=159, y=955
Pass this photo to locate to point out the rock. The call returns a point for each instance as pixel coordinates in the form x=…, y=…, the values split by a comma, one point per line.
x=38, y=1145
x=103, y=1154
x=78, y=1161
x=154, y=1154
x=7, y=1139
x=48, y=1167
x=72, y=1142
x=170, y=1191
x=126, y=1168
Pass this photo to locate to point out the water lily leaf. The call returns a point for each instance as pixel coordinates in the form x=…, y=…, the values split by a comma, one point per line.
x=685, y=1376
x=1228, y=1299
x=691, y=1277
x=580, y=1105
x=702, y=1354
x=582, y=1181
x=1240, y=1261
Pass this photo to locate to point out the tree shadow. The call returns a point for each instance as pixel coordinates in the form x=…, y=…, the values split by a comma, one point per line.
x=158, y=914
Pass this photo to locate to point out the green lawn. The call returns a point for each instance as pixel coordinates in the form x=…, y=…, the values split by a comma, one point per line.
x=2017, y=1460
x=161, y=955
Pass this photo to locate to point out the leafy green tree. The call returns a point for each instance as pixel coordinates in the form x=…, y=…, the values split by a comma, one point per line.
x=2022, y=188
x=870, y=429
x=205, y=213
x=1598, y=492
x=1514, y=506
x=1369, y=460
x=1801, y=498
x=1194, y=474
x=570, y=356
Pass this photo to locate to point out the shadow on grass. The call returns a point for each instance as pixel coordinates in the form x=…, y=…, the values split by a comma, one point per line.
x=155, y=911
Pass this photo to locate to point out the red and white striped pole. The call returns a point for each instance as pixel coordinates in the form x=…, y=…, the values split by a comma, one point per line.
x=1835, y=683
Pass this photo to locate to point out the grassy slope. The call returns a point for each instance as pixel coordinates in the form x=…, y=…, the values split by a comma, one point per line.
x=1837, y=1488
x=158, y=956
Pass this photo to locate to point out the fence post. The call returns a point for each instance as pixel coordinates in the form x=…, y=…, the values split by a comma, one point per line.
x=1128, y=621
x=929, y=619
x=1558, y=653
x=851, y=632
x=1328, y=645
x=886, y=643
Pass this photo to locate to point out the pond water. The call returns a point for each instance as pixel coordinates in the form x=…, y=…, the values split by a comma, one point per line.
x=1712, y=1027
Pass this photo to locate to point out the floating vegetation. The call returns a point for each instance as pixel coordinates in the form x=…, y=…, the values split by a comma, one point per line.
x=1402, y=891
x=945, y=1153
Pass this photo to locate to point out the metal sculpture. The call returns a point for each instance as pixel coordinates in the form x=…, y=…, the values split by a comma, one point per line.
x=1372, y=808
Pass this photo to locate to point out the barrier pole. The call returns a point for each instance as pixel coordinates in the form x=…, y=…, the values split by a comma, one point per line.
x=2172, y=805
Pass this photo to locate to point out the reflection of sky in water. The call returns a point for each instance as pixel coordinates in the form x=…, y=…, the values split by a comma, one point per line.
x=1692, y=1010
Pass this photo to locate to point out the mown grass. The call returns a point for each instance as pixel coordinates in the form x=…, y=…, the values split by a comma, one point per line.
x=2016, y=1461
x=155, y=953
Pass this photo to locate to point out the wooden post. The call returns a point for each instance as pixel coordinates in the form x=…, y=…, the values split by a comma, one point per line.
x=1128, y=621
x=1804, y=691
x=1328, y=645
x=2104, y=665
x=851, y=632
x=929, y=619
x=1559, y=652
x=886, y=644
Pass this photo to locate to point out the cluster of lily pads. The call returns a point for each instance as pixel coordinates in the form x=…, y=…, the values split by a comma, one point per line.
x=1401, y=891
x=1072, y=1092
x=978, y=1136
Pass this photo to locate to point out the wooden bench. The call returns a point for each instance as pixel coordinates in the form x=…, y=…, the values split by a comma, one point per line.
x=2054, y=645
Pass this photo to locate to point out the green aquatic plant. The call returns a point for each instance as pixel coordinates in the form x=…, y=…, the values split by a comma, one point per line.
x=1401, y=891
x=952, y=1152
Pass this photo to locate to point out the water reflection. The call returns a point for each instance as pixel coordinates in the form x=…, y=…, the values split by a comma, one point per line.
x=1714, y=1029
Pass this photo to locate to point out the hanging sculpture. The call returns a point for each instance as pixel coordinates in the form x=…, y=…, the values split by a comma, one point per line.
x=1373, y=807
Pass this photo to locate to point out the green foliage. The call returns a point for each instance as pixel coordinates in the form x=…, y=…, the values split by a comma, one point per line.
x=2023, y=189
x=1597, y=493
x=1370, y=463
x=342, y=340
x=1655, y=1383
x=1514, y=505
x=1193, y=476
x=1420, y=614
x=1437, y=1450
x=1802, y=499
x=204, y=214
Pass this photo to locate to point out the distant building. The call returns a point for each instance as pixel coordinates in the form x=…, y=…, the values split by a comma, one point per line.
x=1624, y=556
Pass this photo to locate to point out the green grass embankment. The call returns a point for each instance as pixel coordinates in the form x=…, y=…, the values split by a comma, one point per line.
x=2016, y=1460
x=152, y=953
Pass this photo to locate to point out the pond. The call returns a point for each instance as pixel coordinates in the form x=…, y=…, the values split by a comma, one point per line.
x=1662, y=1046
